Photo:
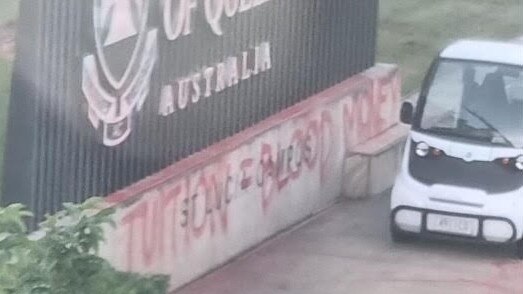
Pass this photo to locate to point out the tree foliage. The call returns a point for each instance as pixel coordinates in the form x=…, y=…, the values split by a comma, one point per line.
x=62, y=257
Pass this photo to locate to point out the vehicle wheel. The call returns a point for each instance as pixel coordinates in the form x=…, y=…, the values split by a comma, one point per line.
x=399, y=236
x=519, y=249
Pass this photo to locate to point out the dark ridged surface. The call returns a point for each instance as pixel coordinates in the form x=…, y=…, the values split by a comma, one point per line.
x=52, y=155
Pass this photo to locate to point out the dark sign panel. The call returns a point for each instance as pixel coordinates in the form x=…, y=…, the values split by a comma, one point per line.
x=107, y=92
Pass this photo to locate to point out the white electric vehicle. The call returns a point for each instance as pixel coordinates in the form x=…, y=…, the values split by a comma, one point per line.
x=462, y=171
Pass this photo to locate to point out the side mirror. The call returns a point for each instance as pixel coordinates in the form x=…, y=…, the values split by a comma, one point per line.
x=407, y=112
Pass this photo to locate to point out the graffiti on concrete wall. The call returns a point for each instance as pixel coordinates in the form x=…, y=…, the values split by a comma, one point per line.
x=271, y=177
x=372, y=109
x=197, y=204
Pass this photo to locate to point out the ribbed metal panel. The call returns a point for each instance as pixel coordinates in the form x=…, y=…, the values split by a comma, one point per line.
x=53, y=154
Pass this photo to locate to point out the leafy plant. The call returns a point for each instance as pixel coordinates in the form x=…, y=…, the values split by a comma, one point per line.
x=62, y=257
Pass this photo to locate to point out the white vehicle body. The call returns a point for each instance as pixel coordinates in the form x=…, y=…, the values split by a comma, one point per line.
x=467, y=183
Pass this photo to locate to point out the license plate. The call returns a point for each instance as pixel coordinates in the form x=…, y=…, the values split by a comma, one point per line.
x=452, y=225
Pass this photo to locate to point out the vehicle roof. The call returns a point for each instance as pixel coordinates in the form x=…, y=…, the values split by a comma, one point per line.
x=487, y=51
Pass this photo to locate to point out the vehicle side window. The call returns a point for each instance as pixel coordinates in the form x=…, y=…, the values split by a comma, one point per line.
x=514, y=87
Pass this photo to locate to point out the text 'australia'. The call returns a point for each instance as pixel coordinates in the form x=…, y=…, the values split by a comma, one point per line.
x=214, y=79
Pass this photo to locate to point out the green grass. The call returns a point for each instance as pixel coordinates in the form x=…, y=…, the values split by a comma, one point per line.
x=8, y=10
x=5, y=82
x=411, y=32
x=8, y=13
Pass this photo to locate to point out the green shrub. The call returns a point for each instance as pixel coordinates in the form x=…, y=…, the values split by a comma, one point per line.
x=62, y=257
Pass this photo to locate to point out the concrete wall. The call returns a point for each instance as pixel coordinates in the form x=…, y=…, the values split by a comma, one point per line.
x=199, y=213
x=371, y=167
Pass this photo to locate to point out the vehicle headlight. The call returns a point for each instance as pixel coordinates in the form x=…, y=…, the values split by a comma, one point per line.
x=422, y=149
x=519, y=163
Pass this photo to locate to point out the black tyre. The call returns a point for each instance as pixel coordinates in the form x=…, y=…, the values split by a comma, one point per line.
x=519, y=249
x=398, y=236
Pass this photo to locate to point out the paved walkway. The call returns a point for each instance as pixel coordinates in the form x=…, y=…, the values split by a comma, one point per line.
x=347, y=249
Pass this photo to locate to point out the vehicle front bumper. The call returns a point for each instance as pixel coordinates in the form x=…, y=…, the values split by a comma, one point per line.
x=500, y=216
x=487, y=232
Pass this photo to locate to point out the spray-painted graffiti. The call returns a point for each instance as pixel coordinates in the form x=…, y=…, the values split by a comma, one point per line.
x=184, y=210
x=371, y=109
x=274, y=176
x=309, y=146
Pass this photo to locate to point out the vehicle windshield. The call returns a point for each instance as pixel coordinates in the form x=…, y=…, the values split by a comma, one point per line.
x=481, y=102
